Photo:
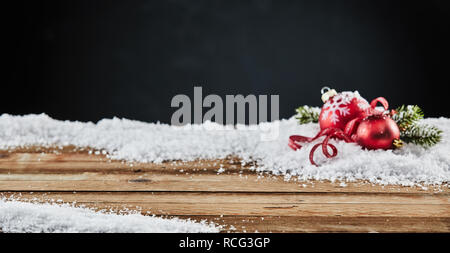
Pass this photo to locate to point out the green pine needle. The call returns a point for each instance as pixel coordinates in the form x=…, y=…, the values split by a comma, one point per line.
x=421, y=134
x=411, y=131
x=407, y=116
x=306, y=114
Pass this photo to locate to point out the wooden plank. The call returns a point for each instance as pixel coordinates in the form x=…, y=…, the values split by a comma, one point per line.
x=83, y=172
x=188, y=182
x=276, y=212
x=333, y=224
x=257, y=205
x=238, y=197
x=80, y=162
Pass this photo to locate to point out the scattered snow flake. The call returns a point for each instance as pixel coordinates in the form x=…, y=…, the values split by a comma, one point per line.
x=342, y=184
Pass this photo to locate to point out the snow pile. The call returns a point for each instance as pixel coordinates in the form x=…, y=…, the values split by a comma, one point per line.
x=23, y=217
x=148, y=142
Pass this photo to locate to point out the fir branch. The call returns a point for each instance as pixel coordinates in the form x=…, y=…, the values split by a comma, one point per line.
x=407, y=116
x=421, y=134
x=306, y=114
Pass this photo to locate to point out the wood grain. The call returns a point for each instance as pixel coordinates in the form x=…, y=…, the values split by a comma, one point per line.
x=238, y=199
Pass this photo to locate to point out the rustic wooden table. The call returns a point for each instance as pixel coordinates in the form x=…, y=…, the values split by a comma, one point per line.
x=238, y=198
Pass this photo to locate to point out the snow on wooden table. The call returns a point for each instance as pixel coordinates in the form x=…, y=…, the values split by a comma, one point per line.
x=239, y=199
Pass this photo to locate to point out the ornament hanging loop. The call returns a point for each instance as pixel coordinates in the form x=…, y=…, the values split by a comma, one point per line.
x=327, y=93
x=324, y=89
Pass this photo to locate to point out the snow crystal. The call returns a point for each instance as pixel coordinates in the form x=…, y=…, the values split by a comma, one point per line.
x=136, y=141
x=24, y=217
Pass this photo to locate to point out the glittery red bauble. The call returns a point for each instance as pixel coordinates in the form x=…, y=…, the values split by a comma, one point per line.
x=341, y=108
x=377, y=132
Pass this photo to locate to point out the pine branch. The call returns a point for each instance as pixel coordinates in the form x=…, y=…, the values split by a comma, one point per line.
x=306, y=114
x=421, y=134
x=407, y=116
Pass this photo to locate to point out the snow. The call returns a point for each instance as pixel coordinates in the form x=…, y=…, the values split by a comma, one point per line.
x=130, y=140
x=24, y=217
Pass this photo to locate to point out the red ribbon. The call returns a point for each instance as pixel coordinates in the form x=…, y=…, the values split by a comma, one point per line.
x=336, y=133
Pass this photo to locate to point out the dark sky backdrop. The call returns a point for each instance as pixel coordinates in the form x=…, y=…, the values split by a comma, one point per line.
x=87, y=60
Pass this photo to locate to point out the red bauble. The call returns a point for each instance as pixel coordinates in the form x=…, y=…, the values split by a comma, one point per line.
x=349, y=117
x=341, y=108
x=377, y=132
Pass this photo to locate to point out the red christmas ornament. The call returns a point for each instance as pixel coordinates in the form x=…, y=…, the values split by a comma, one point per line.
x=377, y=132
x=340, y=108
x=347, y=116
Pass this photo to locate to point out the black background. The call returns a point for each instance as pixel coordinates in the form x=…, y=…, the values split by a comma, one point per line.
x=87, y=60
x=170, y=242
